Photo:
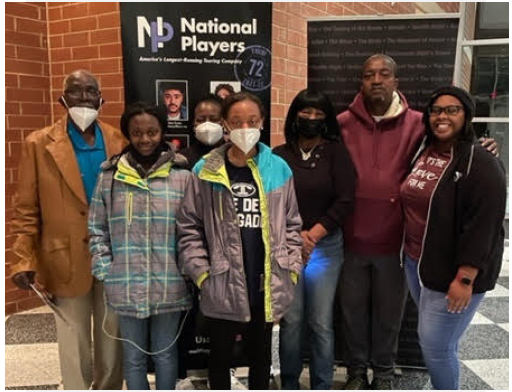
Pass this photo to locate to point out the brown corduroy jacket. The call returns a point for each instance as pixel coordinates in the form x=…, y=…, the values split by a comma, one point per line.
x=51, y=210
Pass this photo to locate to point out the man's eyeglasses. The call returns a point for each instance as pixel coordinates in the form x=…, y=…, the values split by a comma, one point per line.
x=78, y=92
x=451, y=110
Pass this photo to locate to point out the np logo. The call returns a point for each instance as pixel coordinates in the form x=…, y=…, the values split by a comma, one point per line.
x=155, y=31
x=242, y=189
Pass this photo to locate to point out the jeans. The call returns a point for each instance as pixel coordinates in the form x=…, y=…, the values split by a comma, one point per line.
x=439, y=331
x=257, y=334
x=151, y=334
x=312, y=308
x=413, y=281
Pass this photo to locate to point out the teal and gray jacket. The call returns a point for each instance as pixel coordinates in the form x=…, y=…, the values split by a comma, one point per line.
x=209, y=239
x=132, y=229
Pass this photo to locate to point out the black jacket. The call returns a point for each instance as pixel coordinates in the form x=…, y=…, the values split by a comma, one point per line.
x=465, y=220
x=324, y=184
x=194, y=153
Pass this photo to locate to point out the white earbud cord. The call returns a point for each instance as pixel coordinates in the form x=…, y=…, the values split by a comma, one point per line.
x=135, y=344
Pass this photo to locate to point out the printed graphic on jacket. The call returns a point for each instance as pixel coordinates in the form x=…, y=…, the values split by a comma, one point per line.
x=416, y=192
x=247, y=203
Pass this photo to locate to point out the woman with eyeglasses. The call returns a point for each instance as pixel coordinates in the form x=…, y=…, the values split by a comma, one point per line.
x=324, y=179
x=239, y=241
x=454, y=203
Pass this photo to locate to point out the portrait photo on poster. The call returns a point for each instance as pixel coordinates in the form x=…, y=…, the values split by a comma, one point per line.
x=224, y=88
x=173, y=95
x=179, y=141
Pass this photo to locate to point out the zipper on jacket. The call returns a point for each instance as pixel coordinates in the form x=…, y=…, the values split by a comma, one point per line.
x=220, y=206
x=130, y=208
x=428, y=213
x=148, y=247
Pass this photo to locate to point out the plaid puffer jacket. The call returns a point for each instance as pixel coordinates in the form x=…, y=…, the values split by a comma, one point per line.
x=132, y=230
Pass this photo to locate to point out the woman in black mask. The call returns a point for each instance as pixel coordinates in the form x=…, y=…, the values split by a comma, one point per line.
x=324, y=179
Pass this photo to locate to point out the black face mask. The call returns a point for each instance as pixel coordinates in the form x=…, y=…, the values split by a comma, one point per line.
x=309, y=128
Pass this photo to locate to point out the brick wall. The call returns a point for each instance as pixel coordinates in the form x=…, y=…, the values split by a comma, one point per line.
x=27, y=107
x=46, y=41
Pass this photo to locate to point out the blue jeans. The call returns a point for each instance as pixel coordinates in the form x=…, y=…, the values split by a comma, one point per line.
x=439, y=331
x=413, y=281
x=151, y=334
x=312, y=307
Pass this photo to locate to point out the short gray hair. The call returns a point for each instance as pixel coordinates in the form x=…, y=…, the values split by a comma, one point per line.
x=77, y=72
x=386, y=58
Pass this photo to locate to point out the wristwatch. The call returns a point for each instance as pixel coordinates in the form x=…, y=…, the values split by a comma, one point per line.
x=465, y=280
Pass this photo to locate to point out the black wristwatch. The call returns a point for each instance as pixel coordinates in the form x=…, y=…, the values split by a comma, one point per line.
x=465, y=281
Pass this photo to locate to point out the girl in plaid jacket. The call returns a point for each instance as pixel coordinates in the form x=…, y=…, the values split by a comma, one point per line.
x=132, y=228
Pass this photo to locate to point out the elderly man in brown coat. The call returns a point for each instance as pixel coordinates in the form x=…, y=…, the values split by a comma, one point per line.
x=58, y=170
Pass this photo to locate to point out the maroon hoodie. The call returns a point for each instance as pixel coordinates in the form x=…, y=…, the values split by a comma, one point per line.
x=382, y=152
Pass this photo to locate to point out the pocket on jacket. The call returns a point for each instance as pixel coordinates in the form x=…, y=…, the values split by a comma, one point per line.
x=285, y=273
x=281, y=257
x=376, y=216
x=216, y=292
x=57, y=258
x=282, y=284
x=283, y=261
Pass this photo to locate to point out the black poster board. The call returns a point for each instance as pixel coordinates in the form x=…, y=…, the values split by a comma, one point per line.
x=192, y=48
x=424, y=50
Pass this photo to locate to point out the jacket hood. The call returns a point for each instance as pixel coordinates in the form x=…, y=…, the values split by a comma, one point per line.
x=358, y=108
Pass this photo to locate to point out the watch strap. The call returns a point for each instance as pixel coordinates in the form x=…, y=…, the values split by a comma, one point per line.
x=464, y=279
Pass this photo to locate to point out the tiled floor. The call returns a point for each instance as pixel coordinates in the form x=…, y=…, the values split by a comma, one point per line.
x=31, y=358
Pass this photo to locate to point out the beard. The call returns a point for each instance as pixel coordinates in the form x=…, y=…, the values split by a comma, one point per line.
x=173, y=109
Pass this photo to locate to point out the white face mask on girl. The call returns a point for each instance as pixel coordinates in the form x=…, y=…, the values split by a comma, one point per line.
x=209, y=133
x=83, y=117
x=245, y=138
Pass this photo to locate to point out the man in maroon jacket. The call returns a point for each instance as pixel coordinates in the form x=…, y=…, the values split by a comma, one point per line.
x=381, y=134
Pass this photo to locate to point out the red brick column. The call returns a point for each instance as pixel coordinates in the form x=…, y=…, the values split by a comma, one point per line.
x=27, y=107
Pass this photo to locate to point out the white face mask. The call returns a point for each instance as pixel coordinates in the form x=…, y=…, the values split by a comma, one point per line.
x=209, y=133
x=83, y=117
x=245, y=138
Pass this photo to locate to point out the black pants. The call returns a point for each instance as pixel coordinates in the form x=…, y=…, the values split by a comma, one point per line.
x=258, y=335
x=372, y=294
